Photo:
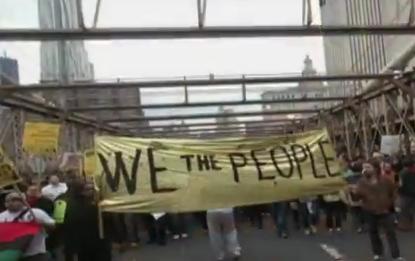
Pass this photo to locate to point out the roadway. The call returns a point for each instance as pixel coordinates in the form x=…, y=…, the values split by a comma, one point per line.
x=264, y=245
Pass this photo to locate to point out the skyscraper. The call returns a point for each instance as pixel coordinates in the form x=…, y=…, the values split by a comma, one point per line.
x=362, y=53
x=9, y=74
x=68, y=61
x=9, y=71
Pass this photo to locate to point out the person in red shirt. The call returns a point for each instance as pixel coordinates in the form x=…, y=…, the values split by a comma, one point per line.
x=388, y=171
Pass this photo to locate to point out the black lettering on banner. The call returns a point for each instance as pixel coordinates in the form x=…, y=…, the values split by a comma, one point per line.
x=113, y=181
x=297, y=159
x=258, y=165
x=188, y=159
x=214, y=163
x=313, y=165
x=326, y=158
x=236, y=165
x=203, y=162
x=274, y=161
x=153, y=173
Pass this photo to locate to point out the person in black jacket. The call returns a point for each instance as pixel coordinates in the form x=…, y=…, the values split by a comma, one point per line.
x=407, y=193
x=81, y=226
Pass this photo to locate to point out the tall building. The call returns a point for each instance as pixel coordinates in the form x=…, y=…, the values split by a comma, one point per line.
x=9, y=74
x=362, y=53
x=303, y=90
x=68, y=61
x=9, y=71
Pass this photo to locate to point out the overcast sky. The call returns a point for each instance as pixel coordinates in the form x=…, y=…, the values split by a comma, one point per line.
x=161, y=58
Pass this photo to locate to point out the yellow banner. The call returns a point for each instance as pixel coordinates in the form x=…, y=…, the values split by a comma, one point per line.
x=41, y=137
x=169, y=175
x=89, y=163
x=8, y=175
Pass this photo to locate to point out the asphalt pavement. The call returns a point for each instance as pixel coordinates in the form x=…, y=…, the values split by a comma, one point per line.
x=264, y=245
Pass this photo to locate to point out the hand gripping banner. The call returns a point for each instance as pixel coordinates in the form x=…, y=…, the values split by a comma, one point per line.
x=179, y=175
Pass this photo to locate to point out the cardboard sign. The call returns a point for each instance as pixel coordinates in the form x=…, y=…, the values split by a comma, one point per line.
x=41, y=138
x=390, y=144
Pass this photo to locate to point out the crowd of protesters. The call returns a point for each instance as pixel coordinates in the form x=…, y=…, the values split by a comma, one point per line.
x=380, y=194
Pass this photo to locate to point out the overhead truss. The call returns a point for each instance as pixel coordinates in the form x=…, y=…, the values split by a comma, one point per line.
x=146, y=83
x=17, y=34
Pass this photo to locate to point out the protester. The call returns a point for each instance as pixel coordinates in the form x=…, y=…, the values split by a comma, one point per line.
x=308, y=211
x=255, y=215
x=156, y=225
x=36, y=200
x=388, y=171
x=81, y=227
x=280, y=214
x=407, y=193
x=18, y=212
x=201, y=219
x=333, y=205
x=131, y=221
x=223, y=234
x=178, y=226
x=378, y=194
x=54, y=189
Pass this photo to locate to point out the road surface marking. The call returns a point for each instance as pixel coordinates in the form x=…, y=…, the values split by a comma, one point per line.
x=334, y=253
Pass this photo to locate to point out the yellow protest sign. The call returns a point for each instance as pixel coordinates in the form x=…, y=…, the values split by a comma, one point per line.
x=170, y=175
x=8, y=175
x=89, y=162
x=41, y=137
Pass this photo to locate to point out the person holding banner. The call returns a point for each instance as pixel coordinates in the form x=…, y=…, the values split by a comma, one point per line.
x=156, y=225
x=223, y=234
x=81, y=229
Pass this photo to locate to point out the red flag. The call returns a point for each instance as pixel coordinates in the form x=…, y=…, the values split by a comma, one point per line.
x=15, y=237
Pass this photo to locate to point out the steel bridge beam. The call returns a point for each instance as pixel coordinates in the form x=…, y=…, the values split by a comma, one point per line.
x=204, y=104
x=218, y=134
x=229, y=128
x=193, y=82
x=16, y=34
x=214, y=124
x=31, y=106
x=211, y=115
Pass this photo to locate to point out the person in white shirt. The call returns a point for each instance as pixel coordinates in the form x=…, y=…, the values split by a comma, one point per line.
x=222, y=233
x=16, y=209
x=54, y=189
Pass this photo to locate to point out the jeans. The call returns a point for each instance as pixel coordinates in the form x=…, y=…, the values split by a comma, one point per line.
x=386, y=221
x=280, y=213
x=333, y=214
x=222, y=233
